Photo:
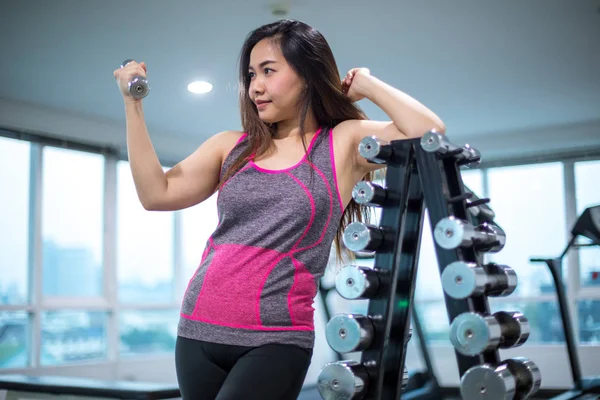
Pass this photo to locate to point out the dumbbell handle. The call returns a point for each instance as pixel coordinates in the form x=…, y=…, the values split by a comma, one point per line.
x=502, y=280
x=514, y=327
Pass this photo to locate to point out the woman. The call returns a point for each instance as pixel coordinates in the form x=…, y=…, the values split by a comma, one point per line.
x=285, y=195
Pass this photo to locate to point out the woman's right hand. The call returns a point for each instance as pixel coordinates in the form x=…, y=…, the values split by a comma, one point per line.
x=124, y=75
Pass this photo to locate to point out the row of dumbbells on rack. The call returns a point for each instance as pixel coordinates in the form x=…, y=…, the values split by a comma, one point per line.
x=471, y=333
x=348, y=333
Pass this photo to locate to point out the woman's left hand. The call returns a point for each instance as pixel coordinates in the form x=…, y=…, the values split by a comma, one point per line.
x=356, y=83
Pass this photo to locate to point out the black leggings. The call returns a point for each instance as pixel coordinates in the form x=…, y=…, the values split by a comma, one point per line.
x=223, y=372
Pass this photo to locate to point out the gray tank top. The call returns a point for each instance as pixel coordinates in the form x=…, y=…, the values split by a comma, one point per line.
x=260, y=269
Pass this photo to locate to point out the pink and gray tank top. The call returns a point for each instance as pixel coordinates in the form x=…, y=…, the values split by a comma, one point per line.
x=260, y=269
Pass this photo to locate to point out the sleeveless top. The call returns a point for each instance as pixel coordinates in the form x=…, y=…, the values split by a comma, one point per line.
x=261, y=267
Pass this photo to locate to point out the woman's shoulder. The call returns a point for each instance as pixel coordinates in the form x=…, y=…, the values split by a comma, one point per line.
x=227, y=140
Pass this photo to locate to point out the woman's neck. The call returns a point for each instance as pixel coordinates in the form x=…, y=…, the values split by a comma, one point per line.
x=291, y=129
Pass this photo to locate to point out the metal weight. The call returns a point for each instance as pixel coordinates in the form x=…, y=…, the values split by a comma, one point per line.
x=488, y=382
x=355, y=282
x=462, y=279
x=346, y=333
x=359, y=236
x=342, y=380
x=375, y=150
x=369, y=194
x=138, y=85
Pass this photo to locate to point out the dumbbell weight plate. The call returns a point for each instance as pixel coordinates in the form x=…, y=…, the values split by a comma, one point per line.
x=431, y=142
x=342, y=380
x=485, y=382
x=472, y=334
x=450, y=233
x=368, y=193
x=461, y=280
x=374, y=149
x=353, y=282
x=346, y=333
x=359, y=236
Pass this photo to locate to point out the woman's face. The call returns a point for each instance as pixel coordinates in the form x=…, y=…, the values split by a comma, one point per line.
x=275, y=88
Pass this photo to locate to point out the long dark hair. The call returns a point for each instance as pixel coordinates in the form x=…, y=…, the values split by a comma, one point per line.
x=309, y=55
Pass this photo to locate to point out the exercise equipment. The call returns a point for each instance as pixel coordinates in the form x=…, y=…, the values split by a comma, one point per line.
x=587, y=226
x=138, y=85
x=418, y=172
x=517, y=378
x=369, y=194
x=349, y=333
x=355, y=282
x=472, y=333
x=461, y=280
x=451, y=233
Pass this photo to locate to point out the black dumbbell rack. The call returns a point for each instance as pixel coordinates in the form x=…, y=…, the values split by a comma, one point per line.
x=414, y=178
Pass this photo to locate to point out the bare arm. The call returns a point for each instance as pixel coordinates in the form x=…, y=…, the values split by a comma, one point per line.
x=409, y=118
x=186, y=184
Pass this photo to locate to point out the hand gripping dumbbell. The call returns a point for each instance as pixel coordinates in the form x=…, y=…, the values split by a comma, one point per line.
x=514, y=379
x=355, y=282
x=472, y=333
x=369, y=194
x=462, y=279
x=359, y=236
x=434, y=142
x=451, y=233
x=138, y=85
x=375, y=150
x=343, y=380
x=346, y=333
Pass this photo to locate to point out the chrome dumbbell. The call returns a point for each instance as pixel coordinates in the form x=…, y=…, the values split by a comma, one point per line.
x=375, y=150
x=462, y=279
x=359, y=236
x=434, y=142
x=514, y=379
x=346, y=333
x=138, y=85
x=355, y=282
x=343, y=380
x=369, y=194
x=473, y=333
x=451, y=233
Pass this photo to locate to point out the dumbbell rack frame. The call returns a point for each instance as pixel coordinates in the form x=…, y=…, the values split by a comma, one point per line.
x=414, y=178
x=396, y=263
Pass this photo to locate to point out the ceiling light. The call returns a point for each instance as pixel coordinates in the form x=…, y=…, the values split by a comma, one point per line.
x=199, y=87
